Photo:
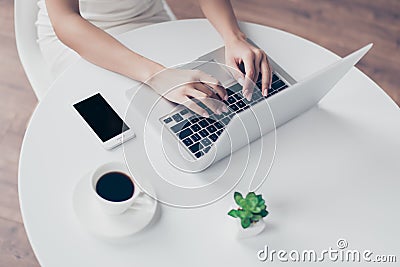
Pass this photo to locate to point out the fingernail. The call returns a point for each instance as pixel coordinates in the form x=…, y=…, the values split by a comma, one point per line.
x=248, y=97
x=226, y=97
x=205, y=115
x=218, y=111
x=265, y=93
x=224, y=109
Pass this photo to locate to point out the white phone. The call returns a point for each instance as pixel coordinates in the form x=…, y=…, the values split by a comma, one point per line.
x=102, y=119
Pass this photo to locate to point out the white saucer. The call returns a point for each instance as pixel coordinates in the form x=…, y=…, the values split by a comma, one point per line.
x=90, y=215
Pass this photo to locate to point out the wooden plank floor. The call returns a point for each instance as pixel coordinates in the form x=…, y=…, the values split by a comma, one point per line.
x=339, y=25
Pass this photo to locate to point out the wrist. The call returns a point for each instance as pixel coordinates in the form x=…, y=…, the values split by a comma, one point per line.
x=155, y=72
x=148, y=69
x=233, y=36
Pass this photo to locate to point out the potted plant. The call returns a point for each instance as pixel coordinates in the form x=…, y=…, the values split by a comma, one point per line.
x=251, y=211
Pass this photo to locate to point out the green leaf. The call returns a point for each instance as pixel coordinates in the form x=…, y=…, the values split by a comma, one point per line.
x=248, y=214
x=233, y=213
x=251, y=195
x=263, y=207
x=241, y=214
x=252, y=202
x=245, y=223
x=244, y=203
x=264, y=213
x=238, y=197
x=256, y=210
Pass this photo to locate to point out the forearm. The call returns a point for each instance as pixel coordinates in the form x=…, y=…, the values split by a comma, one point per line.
x=221, y=15
x=99, y=47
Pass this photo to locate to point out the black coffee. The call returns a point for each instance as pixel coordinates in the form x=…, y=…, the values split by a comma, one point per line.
x=115, y=186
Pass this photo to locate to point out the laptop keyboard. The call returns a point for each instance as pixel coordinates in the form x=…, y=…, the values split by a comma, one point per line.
x=198, y=134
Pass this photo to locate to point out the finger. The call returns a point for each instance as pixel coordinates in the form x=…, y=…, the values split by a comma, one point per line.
x=266, y=75
x=214, y=84
x=216, y=106
x=235, y=71
x=220, y=90
x=205, y=89
x=250, y=69
x=192, y=96
x=205, y=99
x=190, y=104
x=211, y=101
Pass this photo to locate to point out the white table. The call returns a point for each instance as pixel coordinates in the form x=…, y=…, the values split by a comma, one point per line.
x=336, y=172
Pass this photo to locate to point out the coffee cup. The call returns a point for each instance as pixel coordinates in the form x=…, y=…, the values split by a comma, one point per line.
x=113, y=188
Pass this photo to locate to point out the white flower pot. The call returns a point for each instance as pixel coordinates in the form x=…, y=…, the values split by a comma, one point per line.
x=253, y=230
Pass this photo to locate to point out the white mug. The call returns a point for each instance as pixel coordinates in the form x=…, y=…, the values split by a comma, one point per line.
x=113, y=207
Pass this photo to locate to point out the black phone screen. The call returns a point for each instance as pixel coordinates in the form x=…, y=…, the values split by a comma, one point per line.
x=101, y=117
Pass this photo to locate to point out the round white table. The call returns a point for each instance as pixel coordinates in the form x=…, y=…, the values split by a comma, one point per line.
x=336, y=172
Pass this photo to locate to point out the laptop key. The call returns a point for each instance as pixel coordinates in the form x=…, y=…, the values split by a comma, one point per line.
x=238, y=96
x=259, y=84
x=183, y=112
x=277, y=85
x=219, y=132
x=218, y=117
x=226, y=120
x=196, y=147
x=211, y=128
x=207, y=149
x=167, y=120
x=233, y=107
x=195, y=127
x=199, y=154
x=218, y=125
x=235, y=88
x=203, y=133
x=231, y=100
x=203, y=123
x=229, y=91
x=194, y=119
x=274, y=78
x=206, y=142
x=210, y=120
x=284, y=87
x=241, y=104
x=180, y=126
x=214, y=137
x=177, y=117
x=187, y=142
x=195, y=137
x=272, y=92
x=185, y=133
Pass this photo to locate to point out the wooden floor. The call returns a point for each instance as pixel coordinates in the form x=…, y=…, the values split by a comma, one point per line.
x=340, y=25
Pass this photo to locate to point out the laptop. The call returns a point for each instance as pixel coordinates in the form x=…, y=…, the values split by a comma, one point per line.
x=195, y=143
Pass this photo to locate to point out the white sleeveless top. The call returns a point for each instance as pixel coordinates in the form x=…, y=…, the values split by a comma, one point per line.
x=113, y=16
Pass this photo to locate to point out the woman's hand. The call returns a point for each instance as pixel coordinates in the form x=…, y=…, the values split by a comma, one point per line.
x=239, y=51
x=182, y=86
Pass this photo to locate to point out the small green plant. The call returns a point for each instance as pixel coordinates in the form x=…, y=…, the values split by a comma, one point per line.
x=251, y=209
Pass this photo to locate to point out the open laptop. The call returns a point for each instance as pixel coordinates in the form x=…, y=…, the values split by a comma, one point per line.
x=203, y=141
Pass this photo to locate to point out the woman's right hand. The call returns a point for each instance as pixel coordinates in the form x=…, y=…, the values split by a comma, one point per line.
x=182, y=86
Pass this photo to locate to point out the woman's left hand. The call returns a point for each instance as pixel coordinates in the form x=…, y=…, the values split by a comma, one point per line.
x=255, y=61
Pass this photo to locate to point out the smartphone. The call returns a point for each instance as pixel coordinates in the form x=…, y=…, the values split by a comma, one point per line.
x=108, y=126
